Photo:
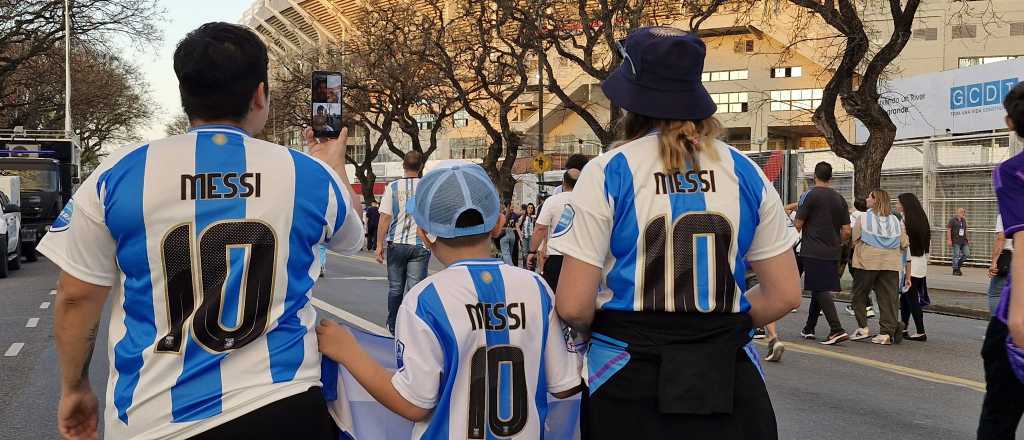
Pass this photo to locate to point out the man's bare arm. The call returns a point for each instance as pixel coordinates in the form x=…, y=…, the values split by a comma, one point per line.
x=76, y=316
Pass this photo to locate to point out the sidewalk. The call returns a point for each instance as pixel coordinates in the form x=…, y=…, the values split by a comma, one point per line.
x=965, y=295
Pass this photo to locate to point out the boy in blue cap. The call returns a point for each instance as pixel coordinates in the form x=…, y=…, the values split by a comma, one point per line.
x=479, y=344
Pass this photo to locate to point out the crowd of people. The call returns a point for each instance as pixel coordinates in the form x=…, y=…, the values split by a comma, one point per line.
x=661, y=258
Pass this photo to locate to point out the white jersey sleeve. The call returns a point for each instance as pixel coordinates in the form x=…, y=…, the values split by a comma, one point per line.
x=773, y=235
x=79, y=241
x=561, y=362
x=386, y=207
x=346, y=233
x=584, y=230
x=420, y=358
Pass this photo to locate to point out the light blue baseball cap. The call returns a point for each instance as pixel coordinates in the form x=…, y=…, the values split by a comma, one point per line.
x=450, y=190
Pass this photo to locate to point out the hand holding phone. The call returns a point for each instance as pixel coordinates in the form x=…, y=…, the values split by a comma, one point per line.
x=325, y=104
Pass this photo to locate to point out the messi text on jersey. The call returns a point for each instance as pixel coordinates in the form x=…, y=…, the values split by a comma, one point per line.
x=508, y=316
x=689, y=182
x=205, y=186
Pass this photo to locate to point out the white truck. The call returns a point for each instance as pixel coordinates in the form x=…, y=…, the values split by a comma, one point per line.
x=10, y=224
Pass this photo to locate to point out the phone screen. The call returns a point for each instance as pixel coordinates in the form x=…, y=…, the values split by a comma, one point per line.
x=326, y=104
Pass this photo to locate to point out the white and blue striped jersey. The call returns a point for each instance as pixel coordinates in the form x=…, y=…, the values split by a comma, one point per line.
x=209, y=240
x=481, y=345
x=395, y=202
x=673, y=241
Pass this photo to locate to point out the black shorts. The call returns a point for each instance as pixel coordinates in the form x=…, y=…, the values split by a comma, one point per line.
x=820, y=275
x=302, y=416
x=552, y=269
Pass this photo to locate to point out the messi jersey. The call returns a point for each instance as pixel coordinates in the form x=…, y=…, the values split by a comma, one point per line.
x=673, y=241
x=209, y=240
x=396, y=203
x=481, y=345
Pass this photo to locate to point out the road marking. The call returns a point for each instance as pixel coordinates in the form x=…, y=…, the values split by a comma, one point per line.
x=32, y=322
x=366, y=325
x=14, y=349
x=53, y=292
x=358, y=278
x=898, y=369
x=354, y=257
x=44, y=305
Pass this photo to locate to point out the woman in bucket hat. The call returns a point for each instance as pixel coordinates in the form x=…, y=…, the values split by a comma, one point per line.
x=657, y=239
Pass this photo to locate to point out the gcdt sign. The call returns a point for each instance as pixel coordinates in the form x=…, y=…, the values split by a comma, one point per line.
x=961, y=101
x=981, y=94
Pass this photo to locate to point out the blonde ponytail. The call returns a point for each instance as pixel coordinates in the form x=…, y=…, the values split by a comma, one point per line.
x=680, y=141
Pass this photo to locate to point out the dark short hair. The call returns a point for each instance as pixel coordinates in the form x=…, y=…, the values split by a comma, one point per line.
x=576, y=162
x=413, y=161
x=219, y=67
x=1014, y=104
x=823, y=171
x=860, y=204
x=567, y=180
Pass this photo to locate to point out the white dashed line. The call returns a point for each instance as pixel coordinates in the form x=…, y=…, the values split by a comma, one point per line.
x=14, y=350
x=44, y=305
x=32, y=322
x=53, y=292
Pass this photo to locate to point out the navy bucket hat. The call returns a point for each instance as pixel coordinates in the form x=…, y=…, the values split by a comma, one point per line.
x=659, y=76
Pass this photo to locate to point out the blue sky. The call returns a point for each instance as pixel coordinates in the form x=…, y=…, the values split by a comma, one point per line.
x=157, y=65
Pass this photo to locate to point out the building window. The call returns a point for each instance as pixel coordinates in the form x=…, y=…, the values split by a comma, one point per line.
x=460, y=119
x=1016, y=29
x=731, y=102
x=965, y=31
x=802, y=99
x=977, y=61
x=787, y=72
x=468, y=148
x=927, y=34
x=425, y=122
x=725, y=75
x=743, y=46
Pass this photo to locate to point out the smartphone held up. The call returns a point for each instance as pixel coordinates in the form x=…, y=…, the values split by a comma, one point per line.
x=325, y=108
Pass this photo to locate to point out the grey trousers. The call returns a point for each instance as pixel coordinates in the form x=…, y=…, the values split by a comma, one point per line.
x=884, y=284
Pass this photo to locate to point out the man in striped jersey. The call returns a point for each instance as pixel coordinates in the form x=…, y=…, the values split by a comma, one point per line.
x=407, y=258
x=208, y=242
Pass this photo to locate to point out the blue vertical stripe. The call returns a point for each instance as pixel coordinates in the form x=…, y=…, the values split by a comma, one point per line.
x=233, y=287
x=430, y=310
x=341, y=214
x=751, y=189
x=701, y=272
x=124, y=216
x=682, y=204
x=395, y=210
x=286, y=341
x=618, y=186
x=197, y=393
x=541, y=398
x=490, y=288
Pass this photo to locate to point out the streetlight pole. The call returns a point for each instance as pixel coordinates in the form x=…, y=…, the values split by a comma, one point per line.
x=67, y=68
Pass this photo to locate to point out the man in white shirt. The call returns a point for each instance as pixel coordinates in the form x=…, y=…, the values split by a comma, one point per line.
x=549, y=226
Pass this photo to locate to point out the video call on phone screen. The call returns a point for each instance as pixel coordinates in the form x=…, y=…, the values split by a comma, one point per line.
x=326, y=108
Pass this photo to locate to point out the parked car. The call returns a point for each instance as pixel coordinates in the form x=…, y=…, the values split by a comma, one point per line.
x=10, y=235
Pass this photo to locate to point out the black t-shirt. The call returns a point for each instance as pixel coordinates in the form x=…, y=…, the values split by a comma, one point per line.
x=824, y=213
x=512, y=220
x=958, y=230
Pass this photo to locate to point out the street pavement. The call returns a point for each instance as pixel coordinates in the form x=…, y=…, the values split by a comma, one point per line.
x=858, y=390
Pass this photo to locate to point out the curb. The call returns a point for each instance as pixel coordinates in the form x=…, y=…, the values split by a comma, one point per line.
x=938, y=309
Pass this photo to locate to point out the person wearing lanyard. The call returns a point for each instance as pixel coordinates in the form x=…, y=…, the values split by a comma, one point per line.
x=656, y=241
x=956, y=238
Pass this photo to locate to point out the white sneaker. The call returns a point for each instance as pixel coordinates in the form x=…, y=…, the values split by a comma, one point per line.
x=849, y=310
x=871, y=312
x=882, y=340
x=860, y=333
x=775, y=354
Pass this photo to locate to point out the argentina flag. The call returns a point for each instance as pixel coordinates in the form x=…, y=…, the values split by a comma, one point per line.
x=360, y=417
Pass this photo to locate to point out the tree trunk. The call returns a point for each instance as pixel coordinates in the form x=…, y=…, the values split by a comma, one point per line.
x=366, y=180
x=867, y=169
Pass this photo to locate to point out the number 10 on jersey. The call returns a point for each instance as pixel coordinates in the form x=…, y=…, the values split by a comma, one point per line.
x=207, y=272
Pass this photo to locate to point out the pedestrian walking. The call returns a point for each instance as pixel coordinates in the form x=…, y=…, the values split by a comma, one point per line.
x=574, y=162
x=372, y=223
x=823, y=218
x=407, y=258
x=547, y=227
x=879, y=241
x=999, y=269
x=860, y=206
x=956, y=238
x=915, y=288
x=669, y=343
x=509, y=234
x=527, y=224
x=1003, y=349
x=211, y=328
